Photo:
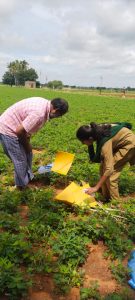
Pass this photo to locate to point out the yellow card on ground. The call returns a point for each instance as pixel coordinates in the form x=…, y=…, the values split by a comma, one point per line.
x=74, y=194
x=63, y=162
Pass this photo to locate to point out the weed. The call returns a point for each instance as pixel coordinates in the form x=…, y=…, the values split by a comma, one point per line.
x=119, y=272
x=90, y=292
x=12, y=281
x=9, y=201
x=126, y=294
x=14, y=247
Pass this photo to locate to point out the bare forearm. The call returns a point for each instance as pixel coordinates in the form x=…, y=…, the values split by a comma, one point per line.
x=100, y=182
x=94, y=189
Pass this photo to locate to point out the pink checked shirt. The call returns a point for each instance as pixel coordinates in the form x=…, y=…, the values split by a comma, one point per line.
x=32, y=113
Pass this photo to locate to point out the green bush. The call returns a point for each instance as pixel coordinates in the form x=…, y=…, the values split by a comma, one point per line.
x=12, y=280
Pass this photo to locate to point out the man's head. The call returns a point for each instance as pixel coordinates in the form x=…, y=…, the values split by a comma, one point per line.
x=58, y=108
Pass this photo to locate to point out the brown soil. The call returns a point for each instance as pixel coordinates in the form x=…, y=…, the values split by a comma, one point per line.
x=38, y=151
x=24, y=210
x=44, y=290
x=130, y=196
x=40, y=183
x=44, y=182
x=97, y=269
x=118, y=95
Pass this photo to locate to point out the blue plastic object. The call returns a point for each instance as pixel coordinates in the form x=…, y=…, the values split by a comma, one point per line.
x=131, y=265
x=45, y=169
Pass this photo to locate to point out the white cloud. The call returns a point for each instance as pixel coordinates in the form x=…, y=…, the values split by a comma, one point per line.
x=74, y=41
x=6, y=7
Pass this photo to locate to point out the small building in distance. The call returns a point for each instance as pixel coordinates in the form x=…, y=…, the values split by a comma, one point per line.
x=30, y=84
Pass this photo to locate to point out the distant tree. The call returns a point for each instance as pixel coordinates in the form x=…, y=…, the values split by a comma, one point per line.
x=38, y=84
x=20, y=78
x=16, y=68
x=19, y=72
x=31, y=75
x=55, y=84
x=8, y=78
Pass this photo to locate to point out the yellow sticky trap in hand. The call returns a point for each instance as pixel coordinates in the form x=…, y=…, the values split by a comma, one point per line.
x=74, y=194
x=62, y=163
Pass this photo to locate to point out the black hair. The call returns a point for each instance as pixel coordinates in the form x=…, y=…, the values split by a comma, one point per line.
x=95, y=131
x=60, y=104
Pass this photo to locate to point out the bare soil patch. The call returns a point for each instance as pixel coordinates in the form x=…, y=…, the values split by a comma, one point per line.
x=44, y=290
x=97, y=268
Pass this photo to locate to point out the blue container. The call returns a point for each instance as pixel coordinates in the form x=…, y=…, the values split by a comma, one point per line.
x=131, y=265
x=45, y=169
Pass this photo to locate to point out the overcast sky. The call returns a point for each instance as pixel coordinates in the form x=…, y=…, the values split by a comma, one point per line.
x=81, y=42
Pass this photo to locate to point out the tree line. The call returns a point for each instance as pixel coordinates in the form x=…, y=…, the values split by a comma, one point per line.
x=18, y=72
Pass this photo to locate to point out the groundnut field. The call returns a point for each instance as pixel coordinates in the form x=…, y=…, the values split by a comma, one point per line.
x=49, y=249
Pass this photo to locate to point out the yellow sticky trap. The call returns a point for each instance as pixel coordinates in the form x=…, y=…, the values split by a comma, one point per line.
x=74, y=194
x=62, y=163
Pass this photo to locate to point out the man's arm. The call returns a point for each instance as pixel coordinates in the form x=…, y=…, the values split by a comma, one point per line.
x=94, y=189
x=24, y=138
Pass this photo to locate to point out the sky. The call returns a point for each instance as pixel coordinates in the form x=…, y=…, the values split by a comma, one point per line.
x=80, y=42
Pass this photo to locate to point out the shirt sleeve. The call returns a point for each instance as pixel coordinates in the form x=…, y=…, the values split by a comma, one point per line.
x=32, y=123
x=108, y=161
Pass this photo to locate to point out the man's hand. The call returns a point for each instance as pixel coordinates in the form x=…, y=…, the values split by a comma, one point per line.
x=95, y=188
x=24, y=138
x=28, y=148
x=91, y=190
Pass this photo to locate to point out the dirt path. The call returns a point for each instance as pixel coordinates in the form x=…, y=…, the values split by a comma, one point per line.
x=97, y=269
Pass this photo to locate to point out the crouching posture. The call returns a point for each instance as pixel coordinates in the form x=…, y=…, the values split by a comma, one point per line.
x=115, y=147
x=18, y=123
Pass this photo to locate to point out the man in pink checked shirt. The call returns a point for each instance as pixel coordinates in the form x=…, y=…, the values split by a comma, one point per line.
x=18, y=123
